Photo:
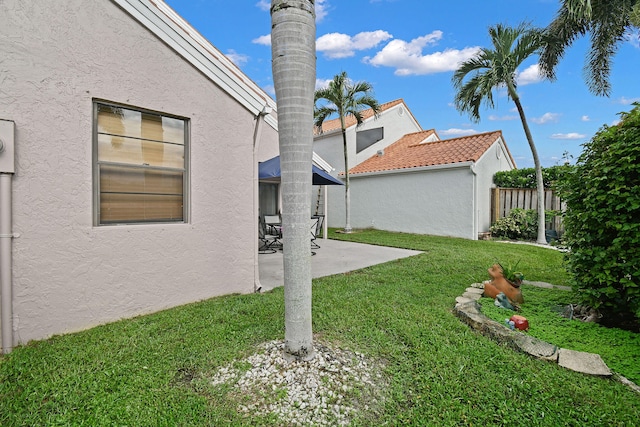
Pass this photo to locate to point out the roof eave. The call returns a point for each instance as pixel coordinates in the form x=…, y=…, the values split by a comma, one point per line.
x=173, y=30
x=460, y=165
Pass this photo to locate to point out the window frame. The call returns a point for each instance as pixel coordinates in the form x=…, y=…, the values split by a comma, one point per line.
x=96, y=163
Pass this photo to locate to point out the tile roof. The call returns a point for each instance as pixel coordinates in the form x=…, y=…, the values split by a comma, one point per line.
x=411, y=152
x=334, y=124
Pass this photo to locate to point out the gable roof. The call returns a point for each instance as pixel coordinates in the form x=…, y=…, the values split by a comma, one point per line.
x=411, y=151
x=334, y=124
x=173, y=30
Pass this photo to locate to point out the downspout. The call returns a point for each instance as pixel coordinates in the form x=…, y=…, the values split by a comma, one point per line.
x=325, y=210
x=266, y=110
x=475, y=201
x=7, y=169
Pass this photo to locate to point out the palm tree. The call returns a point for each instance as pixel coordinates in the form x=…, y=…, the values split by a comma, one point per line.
x=344, y=99
x=496, y=68
x=293, y=33
x=607, y=21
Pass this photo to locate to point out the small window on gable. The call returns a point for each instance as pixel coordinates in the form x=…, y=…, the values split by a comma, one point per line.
x=367, y=138
x=140, y=166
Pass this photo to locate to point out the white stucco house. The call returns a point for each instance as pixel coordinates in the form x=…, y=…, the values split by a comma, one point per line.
x=421, y=184
x=374, y=134
x=406, y=179
x=129, y=165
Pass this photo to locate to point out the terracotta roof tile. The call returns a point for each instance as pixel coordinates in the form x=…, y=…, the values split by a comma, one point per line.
x=411, y=152
x=334, y=124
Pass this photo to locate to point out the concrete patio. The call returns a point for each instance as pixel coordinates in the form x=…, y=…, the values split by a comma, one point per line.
x=333, y=257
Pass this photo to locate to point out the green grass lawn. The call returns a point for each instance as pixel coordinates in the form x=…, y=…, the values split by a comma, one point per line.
x=153, y=370
x=620, y=349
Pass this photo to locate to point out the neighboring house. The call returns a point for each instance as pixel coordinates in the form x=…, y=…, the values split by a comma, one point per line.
x=374, y=134
x=406, y=179
x=424, y=185
x=136, y=152
x=394, y=121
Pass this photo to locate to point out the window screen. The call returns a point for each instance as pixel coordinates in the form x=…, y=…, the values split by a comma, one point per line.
x=366, y=138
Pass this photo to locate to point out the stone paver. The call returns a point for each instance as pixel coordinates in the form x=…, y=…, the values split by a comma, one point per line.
x=463, y=300
x=587, y=363
x=472, y=296
x=537, y=348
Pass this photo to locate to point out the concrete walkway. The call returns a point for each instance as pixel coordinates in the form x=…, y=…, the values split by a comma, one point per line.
x=333, y=257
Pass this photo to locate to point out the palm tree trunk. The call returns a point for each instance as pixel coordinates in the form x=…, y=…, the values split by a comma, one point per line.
x=536, y=161
x=294, y=64
x=347, y=193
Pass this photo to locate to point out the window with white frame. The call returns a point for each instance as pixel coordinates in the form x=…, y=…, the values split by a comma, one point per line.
x=140, y=166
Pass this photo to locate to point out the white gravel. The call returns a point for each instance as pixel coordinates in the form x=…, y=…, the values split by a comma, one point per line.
x=325, y=391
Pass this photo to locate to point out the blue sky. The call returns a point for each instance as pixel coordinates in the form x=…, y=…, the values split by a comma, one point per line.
x=409, y=48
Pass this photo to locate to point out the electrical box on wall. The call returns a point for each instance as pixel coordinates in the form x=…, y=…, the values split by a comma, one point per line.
x=7, y=146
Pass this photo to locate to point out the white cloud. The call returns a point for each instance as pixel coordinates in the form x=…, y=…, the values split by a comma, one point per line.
x=338, y=45
x=263, y=40
x=457, y=132
x=546, y=118
x=632, y=36
x=407, y=57
x=322, y=83
x=570, y=135
x=321, y=8
x=628, y=101
x=237, y=58
x=530, y=75
x=585, y=118
x=502, y=118
x=264, y=4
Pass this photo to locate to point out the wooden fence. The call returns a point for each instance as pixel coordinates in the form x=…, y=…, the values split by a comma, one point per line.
x=505, y=199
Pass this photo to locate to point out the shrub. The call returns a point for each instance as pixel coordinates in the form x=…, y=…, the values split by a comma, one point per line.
x=602, y=220
x=521, y=224
x=526, y=178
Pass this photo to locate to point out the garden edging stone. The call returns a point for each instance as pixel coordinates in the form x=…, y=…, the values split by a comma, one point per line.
x=469, y=311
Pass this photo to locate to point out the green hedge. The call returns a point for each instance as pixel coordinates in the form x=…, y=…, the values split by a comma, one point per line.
x=526, y=178
x=602, y=220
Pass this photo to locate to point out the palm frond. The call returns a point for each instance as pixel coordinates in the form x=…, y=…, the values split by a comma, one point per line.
x=607, y=21
x=492, y=68
x=344, y=99
x=321, y=114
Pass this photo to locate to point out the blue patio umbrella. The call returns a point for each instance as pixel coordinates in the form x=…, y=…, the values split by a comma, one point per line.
x=270, y=169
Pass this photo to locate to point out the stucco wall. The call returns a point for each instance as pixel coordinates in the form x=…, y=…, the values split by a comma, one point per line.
x=69, y=274
x=495, y=159
x=437, y=202
x=268, y=143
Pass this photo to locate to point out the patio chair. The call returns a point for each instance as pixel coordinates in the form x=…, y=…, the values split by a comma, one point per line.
x=274, y=224
x=268, y=242
x=316, y=229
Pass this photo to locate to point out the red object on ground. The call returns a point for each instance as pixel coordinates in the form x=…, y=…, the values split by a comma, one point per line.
x=520, y=322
